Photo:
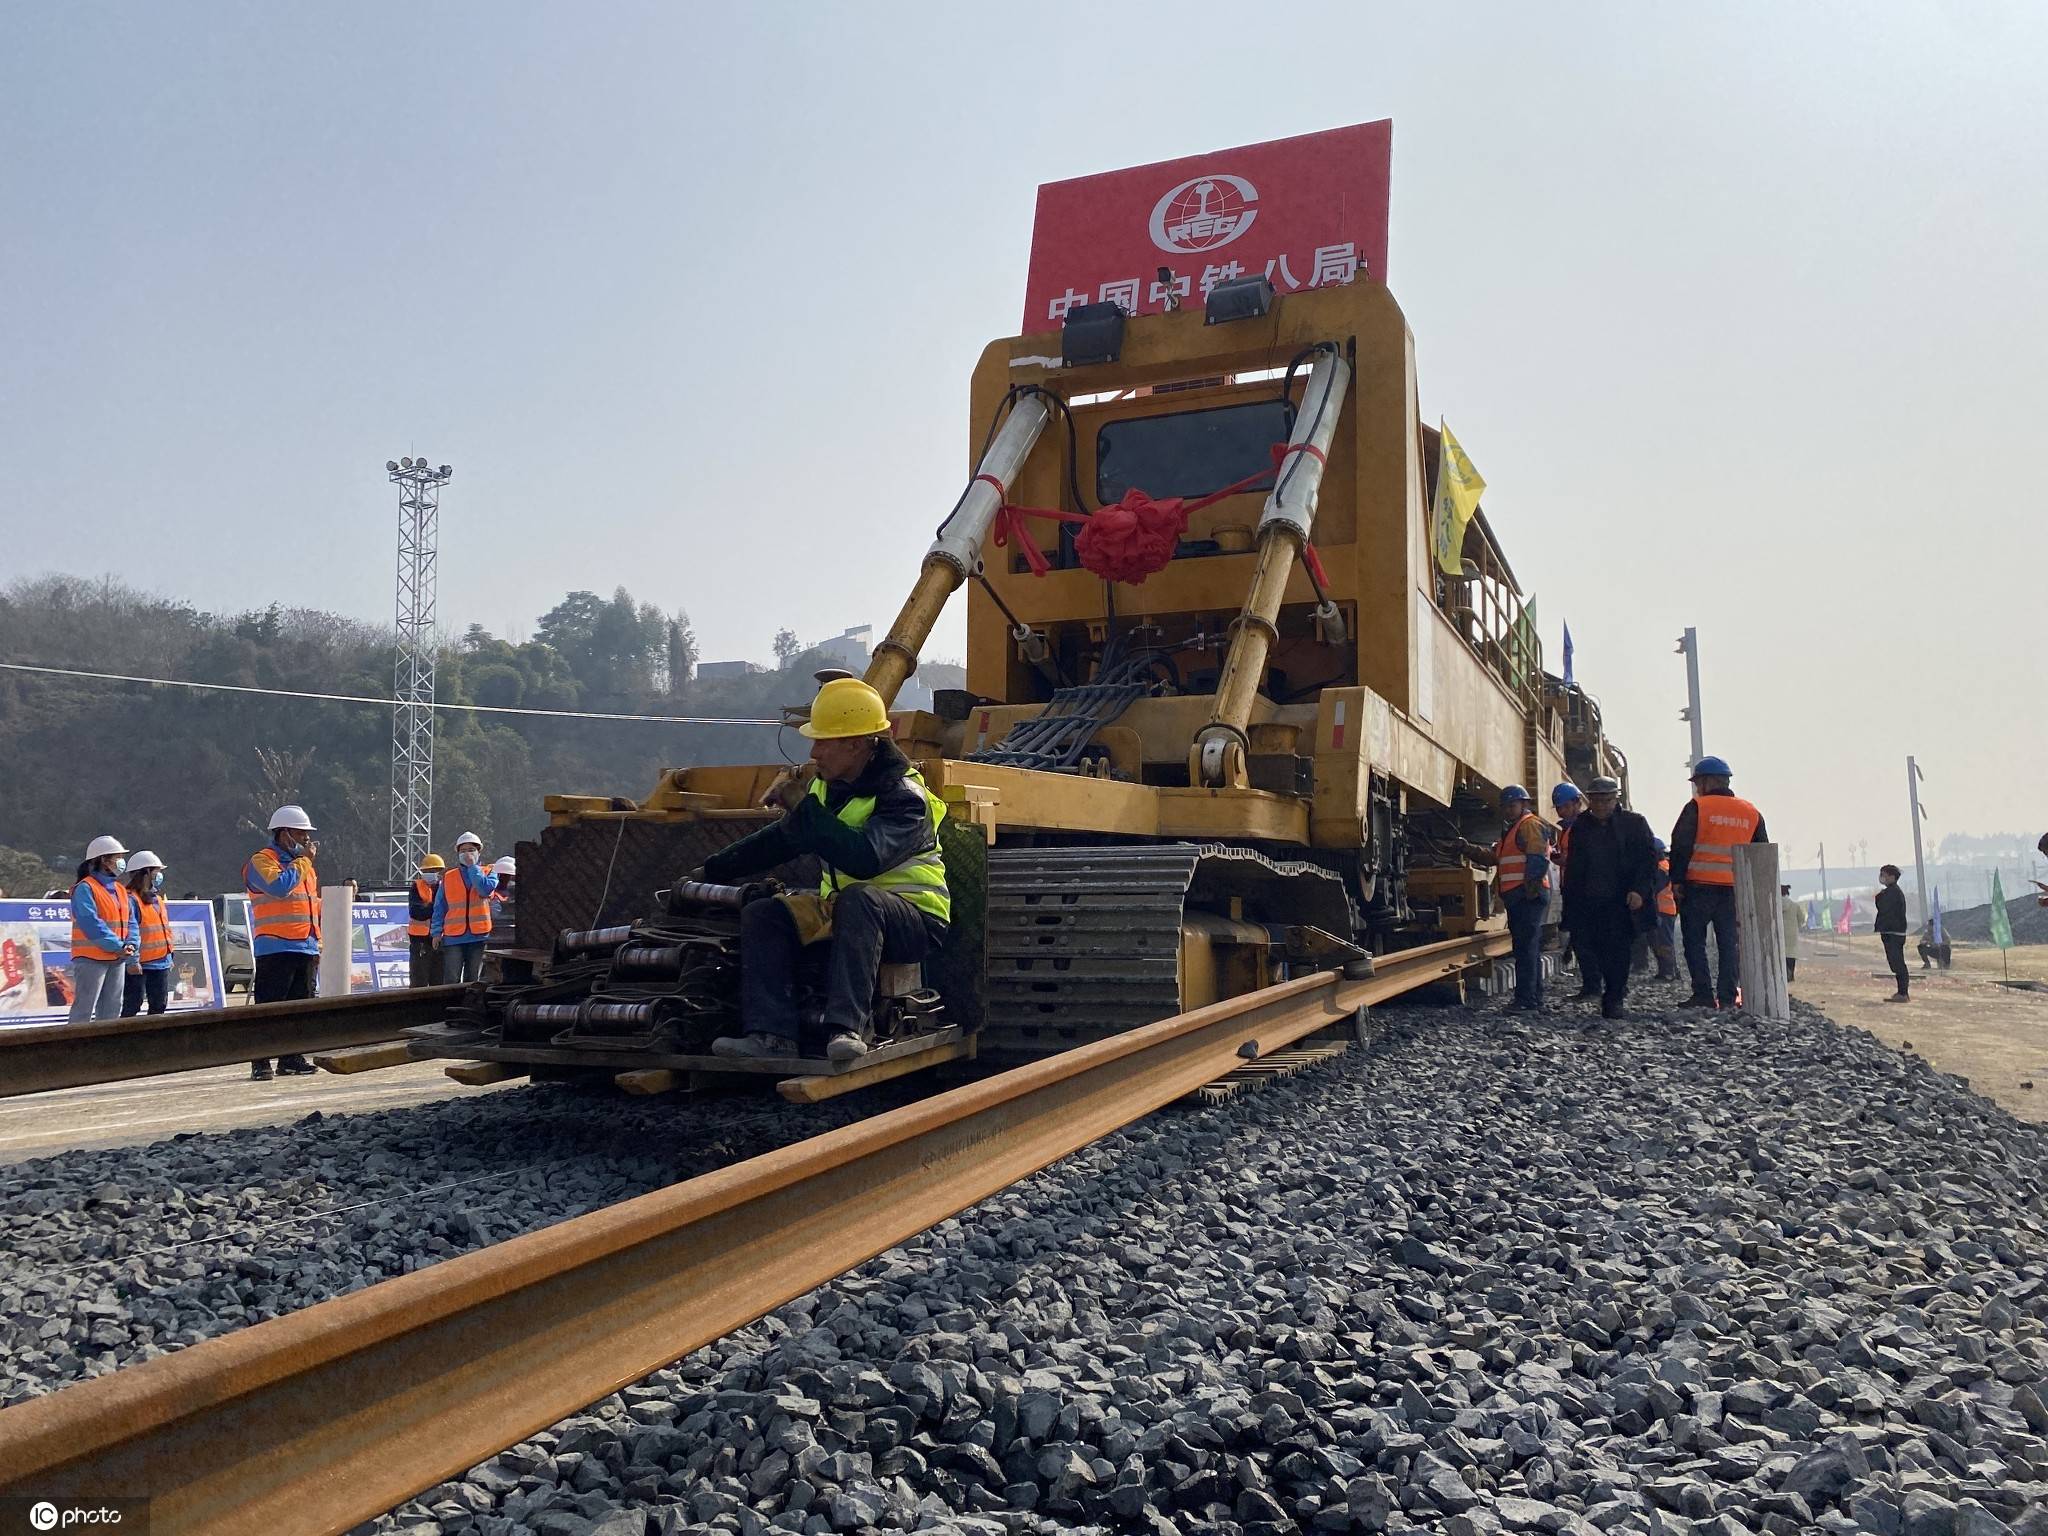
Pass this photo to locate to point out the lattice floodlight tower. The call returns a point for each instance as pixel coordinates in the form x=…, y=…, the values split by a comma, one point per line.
x=412, y=720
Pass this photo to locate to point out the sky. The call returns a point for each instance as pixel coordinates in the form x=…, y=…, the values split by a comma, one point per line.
x=1736, y=307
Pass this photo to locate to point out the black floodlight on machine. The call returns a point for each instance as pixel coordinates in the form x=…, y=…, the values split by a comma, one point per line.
x=1242, y=298
x=1092, y=334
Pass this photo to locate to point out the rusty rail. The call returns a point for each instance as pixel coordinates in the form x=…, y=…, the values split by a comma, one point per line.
x=39, y=1057
x=319, y=1420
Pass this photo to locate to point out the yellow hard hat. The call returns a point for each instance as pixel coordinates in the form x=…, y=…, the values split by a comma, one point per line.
x=846, y=706
x=433, y=861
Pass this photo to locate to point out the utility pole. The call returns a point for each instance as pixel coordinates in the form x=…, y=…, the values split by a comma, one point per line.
x=1824, y=896
x=1913, y=777
x=1689, y=648
x=412, y=682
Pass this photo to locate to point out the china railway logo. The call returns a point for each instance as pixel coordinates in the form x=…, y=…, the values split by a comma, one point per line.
x=1203, y=213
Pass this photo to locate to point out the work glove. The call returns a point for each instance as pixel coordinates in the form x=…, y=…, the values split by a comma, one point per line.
x=790, y=787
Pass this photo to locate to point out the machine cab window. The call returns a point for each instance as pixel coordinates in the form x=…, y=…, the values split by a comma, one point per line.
x=1189, y=453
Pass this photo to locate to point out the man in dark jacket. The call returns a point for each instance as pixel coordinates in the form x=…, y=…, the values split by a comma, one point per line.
x=1609, y=891
x=865, y=814
x=1891, y=926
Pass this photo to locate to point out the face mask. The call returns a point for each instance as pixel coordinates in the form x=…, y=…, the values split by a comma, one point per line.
x=156, y=881
x=469, y=856
x=120, y=866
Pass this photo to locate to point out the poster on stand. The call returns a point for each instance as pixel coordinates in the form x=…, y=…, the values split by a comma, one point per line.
x=380, y=953
x=35, y=959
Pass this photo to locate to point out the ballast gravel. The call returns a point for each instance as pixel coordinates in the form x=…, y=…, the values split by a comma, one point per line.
x=109, y=1257
x=1685, y=1273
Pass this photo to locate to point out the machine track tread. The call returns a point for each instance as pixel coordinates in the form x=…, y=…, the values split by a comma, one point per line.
x=1084, y=942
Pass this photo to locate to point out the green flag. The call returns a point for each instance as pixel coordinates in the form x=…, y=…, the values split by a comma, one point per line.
x=2001, y=926
x=1827, y=914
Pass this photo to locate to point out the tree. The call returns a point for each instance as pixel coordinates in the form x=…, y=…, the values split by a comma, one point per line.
x=787, y=647
x=682, y=653
x=181, y=775
x=23, y=875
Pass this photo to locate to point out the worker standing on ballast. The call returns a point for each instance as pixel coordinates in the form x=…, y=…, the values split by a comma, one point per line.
x=1567, y=801
x=102, y=932
x=1608, y=897
x=421, y=971
x=506, y=916
x=864, y=812
x=284, y=921
x=1703, y=842
x=149, y=973
x=1521, y=865
x=462, y=912
x=1664, y=928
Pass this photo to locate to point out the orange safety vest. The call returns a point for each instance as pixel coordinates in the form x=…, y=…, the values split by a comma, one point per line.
x=1667, y=899
x=114, y=910
x=1726, y=823
x=1512, y=863
x=293, y=916
x=154, y=929
x=1563, y=849
x=468, y=914
x=421, y=927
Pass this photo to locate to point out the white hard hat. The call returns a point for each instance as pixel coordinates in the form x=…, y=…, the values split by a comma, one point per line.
x=144, y=860
x=101, y=846
x=506, y=866
x=293, y=816
x=469, y=837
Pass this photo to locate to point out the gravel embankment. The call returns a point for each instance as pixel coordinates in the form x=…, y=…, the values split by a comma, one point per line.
x=1680, y=1274
x=108, y=1257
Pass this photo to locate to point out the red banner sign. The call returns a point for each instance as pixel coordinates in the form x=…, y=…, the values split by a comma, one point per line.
x=1308, y=212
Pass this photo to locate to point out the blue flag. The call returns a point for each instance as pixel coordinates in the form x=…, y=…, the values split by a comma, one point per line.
x=1937, y=914
x=1812, y=912
x=1567, y=653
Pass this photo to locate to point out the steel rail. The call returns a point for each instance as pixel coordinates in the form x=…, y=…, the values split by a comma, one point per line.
x=318, y=1420
x=39, y=1057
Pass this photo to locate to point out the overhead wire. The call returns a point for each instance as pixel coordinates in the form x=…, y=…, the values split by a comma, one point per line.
x=357, y=698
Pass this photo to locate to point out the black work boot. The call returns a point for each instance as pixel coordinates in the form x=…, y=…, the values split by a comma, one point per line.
x=259, y=1071
x=295, y=1066
x=1699, y=1000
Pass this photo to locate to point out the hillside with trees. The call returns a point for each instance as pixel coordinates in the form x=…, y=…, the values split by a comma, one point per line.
x=194, y=774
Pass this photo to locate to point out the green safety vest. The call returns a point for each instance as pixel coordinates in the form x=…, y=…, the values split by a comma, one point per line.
x=919, y=879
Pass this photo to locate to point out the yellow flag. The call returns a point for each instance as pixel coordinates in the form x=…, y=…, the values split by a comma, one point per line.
x=1458, y=488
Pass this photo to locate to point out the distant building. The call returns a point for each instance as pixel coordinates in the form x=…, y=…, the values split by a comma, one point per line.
x=711, y=671
x=850, y=649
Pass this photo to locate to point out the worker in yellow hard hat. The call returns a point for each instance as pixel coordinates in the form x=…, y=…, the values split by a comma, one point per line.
x=865, y=814
x=419, y=924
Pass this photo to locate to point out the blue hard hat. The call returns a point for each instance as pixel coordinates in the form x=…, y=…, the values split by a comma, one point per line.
x=1660, y=845
x=1513, y=792
x=1564, y=795
x=1712, y=767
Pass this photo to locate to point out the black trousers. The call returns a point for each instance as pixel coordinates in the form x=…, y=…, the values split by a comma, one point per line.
x=870, y=929
x=1710, y=906
x=1607, y=929
x=1586, y=951
x=139, y=987
x=424, y=968
x=1895, y=956
x=283, y=979
x=1525, y=928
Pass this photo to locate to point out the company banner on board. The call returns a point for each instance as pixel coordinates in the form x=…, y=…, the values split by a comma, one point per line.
x=1309, y=212
x=379, y=954
x=35, y=959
